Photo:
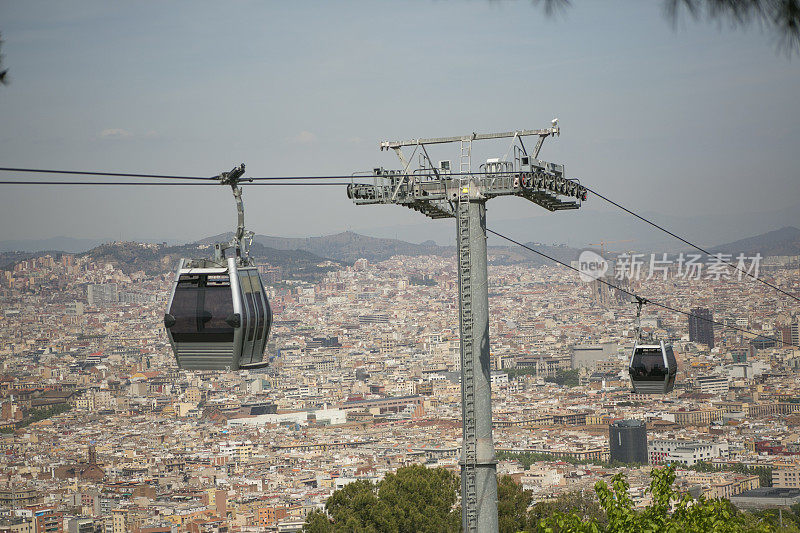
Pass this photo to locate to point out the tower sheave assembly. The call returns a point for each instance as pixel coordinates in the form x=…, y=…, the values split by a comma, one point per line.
x=218, y=316
x=436, y=191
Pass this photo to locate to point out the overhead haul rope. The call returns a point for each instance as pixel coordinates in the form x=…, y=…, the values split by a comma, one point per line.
x=640, y=298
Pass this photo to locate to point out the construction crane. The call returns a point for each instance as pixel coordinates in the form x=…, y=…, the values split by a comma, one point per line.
x=602, y=245
x=437, y=192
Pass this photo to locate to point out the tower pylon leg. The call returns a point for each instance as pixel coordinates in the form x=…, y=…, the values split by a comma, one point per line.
x=478, y=463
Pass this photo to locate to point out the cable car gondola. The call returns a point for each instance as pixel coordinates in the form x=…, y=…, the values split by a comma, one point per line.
x=653, y=365
x=218, y=317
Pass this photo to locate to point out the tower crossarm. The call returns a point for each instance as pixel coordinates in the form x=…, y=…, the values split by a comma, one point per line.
x=434, y=196
x=385, y=145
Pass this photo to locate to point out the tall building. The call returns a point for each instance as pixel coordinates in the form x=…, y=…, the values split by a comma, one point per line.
x=788, y=331
x=628, y=441
x=701, y=327
x=794, y=331
x=102, y=293
x=74, y=308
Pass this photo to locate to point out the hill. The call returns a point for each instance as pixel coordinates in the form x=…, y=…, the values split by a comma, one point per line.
x=156, y=259
x=9, y=259
x=347, y=246
x=784, y=241
x=300, y=255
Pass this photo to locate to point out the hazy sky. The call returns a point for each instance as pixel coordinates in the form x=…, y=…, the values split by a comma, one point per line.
x=683, y=119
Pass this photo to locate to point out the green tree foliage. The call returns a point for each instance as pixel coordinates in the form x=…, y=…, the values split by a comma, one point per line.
x=521, y=371
x=36, y=415
x=413, y=499
x=584, y=506
x=782, y=17
x=424, y=500
x=565, y=378
x=529, y=458
x=3, y=72
x=512, y=505
x=670, y=511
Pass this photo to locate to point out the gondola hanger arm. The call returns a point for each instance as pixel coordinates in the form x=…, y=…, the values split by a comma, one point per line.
x=242, y=238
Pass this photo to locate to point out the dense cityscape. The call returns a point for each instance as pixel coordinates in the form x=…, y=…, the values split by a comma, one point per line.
x=102, y=431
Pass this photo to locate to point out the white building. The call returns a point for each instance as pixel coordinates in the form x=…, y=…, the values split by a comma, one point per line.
x=685, y=452
x=238, y=450
x=499, y=379
x=713, y=385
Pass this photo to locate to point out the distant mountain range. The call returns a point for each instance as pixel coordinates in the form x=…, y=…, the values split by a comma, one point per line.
x=349, y=246
x=304, y=254
x=572, y=228
x=346, y=246
x=784, y=241
x=588, y=225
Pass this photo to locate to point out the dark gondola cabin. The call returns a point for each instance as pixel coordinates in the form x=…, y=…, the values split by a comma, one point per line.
x=653, y=368
x=218, y=317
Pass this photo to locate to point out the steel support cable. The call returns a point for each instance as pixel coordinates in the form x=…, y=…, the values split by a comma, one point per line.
x=637, y=297
x=168, y=184
x=165, y=176
x=112, y=174
x=267, y=178
x=612, y=202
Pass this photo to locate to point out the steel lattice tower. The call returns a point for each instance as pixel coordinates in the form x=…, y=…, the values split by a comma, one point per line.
x=437, y=192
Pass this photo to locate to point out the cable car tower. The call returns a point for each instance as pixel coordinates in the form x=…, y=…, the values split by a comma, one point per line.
x=437, y=192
